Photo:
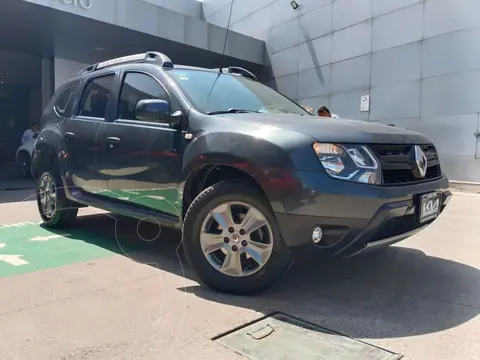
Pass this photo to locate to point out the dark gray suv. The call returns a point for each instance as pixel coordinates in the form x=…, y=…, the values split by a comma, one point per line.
x=248, y=175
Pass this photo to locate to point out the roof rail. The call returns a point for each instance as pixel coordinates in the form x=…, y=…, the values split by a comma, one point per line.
x=235, y=70
x=147, y=57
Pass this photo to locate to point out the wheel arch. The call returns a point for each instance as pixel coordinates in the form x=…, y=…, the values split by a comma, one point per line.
x=206, y=175
x=43, y=158
x=223, y=155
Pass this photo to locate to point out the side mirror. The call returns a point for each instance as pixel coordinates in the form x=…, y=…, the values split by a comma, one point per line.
x=153, y=110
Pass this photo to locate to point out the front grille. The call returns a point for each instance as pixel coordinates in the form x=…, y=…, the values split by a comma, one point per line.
x=398, y=163
x=397, y=226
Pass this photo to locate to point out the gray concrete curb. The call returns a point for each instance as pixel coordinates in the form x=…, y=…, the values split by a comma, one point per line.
x=464, y=186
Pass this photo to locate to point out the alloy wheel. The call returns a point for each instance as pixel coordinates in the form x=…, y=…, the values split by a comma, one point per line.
x=48, y=196
x=236, y=239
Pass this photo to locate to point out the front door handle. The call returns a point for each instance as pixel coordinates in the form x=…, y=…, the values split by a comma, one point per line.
x=113, y=140
x=69, y=135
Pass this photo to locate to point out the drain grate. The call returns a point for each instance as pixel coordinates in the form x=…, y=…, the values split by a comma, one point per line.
x=279, y=336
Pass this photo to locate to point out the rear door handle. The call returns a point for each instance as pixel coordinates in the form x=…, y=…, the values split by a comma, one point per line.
x=113, y=140
x=69, y=135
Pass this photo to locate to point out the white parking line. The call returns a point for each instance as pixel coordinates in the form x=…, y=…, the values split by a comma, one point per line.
x=14, y=260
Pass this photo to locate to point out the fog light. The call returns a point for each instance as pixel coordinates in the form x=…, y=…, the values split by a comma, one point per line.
x=317, y=234
x=447, y=199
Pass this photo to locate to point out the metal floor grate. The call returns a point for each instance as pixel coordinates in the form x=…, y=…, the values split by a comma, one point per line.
x=282, y=337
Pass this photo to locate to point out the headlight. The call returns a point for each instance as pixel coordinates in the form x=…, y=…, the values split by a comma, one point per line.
x=349, y=162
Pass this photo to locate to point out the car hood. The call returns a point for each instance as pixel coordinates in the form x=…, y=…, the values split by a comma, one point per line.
x=334, y=130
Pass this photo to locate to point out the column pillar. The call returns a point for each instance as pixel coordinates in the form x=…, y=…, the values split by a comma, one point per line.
x=48, y=81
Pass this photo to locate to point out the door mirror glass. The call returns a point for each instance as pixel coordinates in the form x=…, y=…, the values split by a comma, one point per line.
x=152, y=110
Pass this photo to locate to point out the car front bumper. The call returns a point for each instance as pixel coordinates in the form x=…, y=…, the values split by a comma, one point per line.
x=353, y=217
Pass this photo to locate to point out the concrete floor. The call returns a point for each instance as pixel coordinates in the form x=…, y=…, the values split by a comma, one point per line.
x=10, y=180
x=420, y=299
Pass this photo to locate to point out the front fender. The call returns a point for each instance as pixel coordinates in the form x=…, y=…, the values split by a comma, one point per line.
x=245, y=152
x=269, y=164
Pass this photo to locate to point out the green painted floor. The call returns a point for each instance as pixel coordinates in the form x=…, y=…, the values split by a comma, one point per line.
x=28, y=247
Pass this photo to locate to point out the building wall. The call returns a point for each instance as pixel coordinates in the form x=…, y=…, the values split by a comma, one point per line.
x=168, y=19
x=192, y=8
x=47, y=86
x=35, y=104
x=65, y=70
x=417, y=59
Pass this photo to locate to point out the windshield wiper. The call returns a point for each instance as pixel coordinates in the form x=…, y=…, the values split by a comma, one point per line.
x=231, y=111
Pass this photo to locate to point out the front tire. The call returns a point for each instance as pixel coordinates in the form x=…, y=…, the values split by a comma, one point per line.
x=232, y=241
x=55, y=209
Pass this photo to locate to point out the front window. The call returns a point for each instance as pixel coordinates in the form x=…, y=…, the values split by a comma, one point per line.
x=214, y=92
x=136, y=87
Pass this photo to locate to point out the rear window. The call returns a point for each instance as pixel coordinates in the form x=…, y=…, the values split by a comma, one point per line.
x=64, y=98
x=96, y=96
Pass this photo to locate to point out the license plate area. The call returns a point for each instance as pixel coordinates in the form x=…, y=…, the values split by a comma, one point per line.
x=430, y=205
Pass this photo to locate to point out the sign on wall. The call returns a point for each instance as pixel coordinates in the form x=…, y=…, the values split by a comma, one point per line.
x=83, y=4
x=365, y=103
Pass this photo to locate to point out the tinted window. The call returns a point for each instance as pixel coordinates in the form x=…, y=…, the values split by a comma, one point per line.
x=211, y=91
x=136, y=87
x=65, y=97
x=95, y=97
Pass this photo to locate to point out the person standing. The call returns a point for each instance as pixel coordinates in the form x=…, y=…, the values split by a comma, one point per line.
x=325, y=112
x=29, y=133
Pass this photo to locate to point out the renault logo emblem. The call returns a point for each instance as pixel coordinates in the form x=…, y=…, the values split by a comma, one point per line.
x=421, y=161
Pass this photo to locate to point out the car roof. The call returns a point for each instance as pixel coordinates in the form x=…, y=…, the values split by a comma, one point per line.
x=156, y=59
x=176, y=66
x=162, y=61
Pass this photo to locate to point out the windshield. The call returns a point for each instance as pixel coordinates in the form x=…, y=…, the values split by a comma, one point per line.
x=213, y=92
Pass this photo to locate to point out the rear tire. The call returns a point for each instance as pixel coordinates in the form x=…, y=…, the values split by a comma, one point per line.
x=263, y=256
x=55, y=209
